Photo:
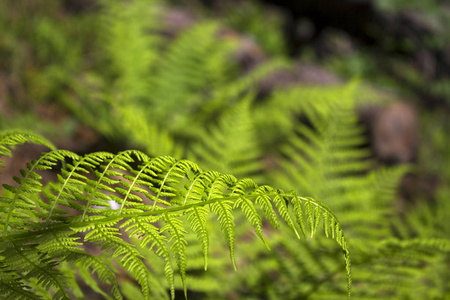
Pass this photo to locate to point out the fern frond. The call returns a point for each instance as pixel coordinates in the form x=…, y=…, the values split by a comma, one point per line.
x=154, y=139
x=20, y=207
x=130, y=29
x=176, y=232
x=250, y=212
x=26, y=260
x=12, y=285
x=154, y=195
x=416, y=245
x=12, y=137
x=246, y=82
x=231, y=146
x=198, y=218
x=105, y=274
x=192, y=67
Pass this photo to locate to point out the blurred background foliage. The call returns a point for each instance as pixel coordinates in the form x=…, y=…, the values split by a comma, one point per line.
x=343, y=101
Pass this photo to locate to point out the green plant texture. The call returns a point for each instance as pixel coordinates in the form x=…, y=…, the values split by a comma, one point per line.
x=152, y=224
x=44, y=226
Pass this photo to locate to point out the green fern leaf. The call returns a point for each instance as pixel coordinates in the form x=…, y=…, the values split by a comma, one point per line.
x=280, y=203
x=154, y=194
x=177, y=232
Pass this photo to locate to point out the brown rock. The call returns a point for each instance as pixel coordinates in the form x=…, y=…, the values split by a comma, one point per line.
x=394, y=132
x=303, y=73
x=176, y=20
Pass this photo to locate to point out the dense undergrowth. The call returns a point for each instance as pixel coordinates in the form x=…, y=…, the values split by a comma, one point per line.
x=183, y=92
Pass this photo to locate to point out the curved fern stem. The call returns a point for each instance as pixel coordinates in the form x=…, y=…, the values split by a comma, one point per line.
x=22, y=185
x=97, y=183
x=72, y=172
x=133, y=184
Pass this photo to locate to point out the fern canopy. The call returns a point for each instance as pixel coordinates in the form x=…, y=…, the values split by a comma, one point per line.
x=46, y=225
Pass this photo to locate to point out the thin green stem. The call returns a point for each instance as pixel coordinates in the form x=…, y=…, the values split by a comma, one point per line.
x=66, y=226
